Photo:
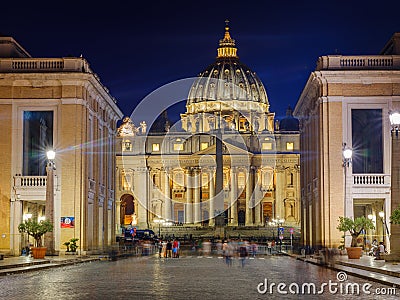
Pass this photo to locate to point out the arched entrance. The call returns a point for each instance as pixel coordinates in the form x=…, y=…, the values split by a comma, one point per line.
x=241, y=217
x=127, y=210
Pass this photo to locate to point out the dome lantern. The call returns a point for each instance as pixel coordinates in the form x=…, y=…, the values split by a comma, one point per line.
x=227, y=45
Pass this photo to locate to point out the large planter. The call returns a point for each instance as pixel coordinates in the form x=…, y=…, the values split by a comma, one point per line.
x=38, y=252
x=354, y=252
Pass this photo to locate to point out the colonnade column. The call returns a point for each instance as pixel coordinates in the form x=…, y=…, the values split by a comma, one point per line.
x=249, y=197
x=167, y=195
x=234, y=196
x=211, y=200
x=188, y=206
x=196, y=196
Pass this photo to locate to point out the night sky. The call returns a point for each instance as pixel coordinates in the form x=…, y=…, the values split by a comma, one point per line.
x=138, y=46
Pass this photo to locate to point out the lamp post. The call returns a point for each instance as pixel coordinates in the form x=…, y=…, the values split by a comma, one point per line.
x=49, y=211
x=394, y=118
x=371, y=217
x=278, y=223
x=384, y=225
x=347, y=154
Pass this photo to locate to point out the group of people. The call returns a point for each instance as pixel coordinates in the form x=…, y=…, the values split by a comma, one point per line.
x=378, y=249
x=240, y=249
x=169, y=248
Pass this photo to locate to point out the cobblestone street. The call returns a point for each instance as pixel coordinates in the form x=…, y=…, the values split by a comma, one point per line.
x=188, y=277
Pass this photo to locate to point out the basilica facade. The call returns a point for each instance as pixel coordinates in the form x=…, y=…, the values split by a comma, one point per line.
x=226, y=156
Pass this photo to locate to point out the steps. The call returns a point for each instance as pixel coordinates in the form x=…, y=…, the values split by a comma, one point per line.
x=13, y=266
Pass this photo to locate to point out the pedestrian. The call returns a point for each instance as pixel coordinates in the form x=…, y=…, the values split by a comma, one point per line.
x=229, y=253
x=175, y=249
x=169, y=249
x=254, y=248
x=207, y=247
x=224, y=250
x=269, y=247
x=160, y=247
x=243, y=254
x=178, y=248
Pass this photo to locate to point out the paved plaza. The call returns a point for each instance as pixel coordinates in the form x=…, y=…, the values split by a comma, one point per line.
x=189, y=277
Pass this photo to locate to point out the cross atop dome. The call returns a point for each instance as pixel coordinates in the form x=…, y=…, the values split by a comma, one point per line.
x=227, y=45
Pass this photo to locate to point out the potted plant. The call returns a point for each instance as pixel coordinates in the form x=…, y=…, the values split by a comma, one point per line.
x=36, y=230
x=355, y=227
x=71, y=246
x=67, y=245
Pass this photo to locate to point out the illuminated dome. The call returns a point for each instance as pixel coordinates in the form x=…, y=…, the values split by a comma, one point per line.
x=227, y=95
x=227, y=79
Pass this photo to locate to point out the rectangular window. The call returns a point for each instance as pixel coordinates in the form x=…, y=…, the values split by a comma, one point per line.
x=289, y=146
x=178, y=147
x=367, y=141
x=38, y=138
x=156, y=147
x=204, y=146
x=266, y=146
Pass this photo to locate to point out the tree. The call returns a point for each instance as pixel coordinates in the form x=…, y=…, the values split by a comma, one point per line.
x=355, y=227
x=395, y=217
x=36, y=229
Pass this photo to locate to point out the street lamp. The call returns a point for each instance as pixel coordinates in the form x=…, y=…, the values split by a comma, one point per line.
x=394, y=118
x=159, y=222
x=371, y=217
x=347, y=154
x=49, y=211
x=278, y=223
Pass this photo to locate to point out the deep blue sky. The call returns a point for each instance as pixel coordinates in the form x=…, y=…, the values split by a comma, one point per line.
x=138, y=46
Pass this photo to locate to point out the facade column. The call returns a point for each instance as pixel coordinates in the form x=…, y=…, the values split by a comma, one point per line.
x=280, y=187
x=234, y=197
x=167, y=195
x=249, y=197
x=201, y=123
x=16, y=217
x=211, y=200
x=257, y=200
x=188, y=206
x=196, y=196
x=141, y=180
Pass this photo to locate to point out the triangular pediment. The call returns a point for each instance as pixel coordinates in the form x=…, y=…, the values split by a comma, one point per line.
x=227, y=148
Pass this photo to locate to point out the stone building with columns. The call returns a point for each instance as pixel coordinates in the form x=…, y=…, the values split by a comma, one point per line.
x=56, y=103
x=177, y=172
x=346, y=103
